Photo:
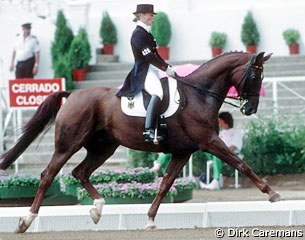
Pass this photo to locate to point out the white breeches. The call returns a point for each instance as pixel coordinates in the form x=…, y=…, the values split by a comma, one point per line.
x=152, y=82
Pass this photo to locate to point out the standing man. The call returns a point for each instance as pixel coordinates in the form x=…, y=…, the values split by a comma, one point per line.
x=145, y=73
x=26, y=53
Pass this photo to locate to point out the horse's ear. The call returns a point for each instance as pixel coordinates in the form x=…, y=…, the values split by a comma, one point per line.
x=259, y=59
x=266, y=58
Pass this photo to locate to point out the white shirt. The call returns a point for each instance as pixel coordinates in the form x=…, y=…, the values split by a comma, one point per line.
x=143, y=25
x=26, y=48
x=232, y=136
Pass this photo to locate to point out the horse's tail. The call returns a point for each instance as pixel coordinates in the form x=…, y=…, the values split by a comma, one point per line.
x=44, y=116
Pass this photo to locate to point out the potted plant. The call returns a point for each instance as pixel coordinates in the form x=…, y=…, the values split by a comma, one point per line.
x=108, y=34
x=217, y=42
x=291, y=37
x=62, y=69
x=249, y=33
x=161, y=30
x=62, y=38
x=79, y=55
x=59, y=50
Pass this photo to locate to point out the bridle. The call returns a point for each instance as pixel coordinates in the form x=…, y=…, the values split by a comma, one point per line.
x=248, y=79
x=245, y=93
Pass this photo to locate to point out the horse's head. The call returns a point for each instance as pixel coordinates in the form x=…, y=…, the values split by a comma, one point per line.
x=249, y=82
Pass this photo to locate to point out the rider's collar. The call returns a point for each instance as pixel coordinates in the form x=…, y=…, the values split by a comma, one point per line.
x=143, y=25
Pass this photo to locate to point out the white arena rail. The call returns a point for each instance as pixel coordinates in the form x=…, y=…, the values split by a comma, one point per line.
x=183, y=215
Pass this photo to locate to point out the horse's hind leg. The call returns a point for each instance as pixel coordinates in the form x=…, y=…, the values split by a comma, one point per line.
x=174, y=168
x=47, y=177
x=95, y=158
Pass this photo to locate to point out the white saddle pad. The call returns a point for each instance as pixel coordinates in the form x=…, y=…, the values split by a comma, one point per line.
x=135, y=106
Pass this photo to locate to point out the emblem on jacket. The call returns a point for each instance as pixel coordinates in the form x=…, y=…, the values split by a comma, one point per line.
x=131, y=102
x=146, y=51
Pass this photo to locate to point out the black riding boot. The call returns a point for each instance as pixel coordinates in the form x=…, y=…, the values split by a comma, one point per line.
x=150, y=121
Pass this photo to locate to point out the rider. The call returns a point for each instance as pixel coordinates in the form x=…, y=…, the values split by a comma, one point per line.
x=144, y=74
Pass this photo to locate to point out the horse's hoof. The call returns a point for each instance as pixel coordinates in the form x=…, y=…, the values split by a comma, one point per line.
x=95, y=215
x=22, y=225
x=276, y=198
x=150, y=225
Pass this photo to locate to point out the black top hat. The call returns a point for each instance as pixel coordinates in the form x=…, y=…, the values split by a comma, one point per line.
x=145, y=8
x=27, y=25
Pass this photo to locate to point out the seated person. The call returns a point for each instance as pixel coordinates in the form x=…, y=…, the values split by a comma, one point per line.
x=233, y=138
x=161, y=163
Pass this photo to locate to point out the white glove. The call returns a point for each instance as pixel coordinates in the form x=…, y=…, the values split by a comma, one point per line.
x=170, y=71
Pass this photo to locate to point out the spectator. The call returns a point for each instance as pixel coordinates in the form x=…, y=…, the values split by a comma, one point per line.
x=233, y=138
x=161, y=163
x=26, y=53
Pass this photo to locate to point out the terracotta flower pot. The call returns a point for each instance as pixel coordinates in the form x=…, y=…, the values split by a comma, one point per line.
x=164, y=52
x=251, y=48
x=108, y=49
x=216, y=51
x=294, y=48
x=79, y=74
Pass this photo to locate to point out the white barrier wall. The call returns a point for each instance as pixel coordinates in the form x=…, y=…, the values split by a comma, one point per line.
x=192, y=23
x=177, y=215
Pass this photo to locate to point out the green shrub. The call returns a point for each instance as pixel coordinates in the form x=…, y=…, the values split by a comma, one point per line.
x=218, y=39
x=108, y=31
x=141, y=159
x=80, y=52
x=62, y=69
x=249, y=32
x=161, y=29
x=271, y=146
x=291, y=36
x=62, y=39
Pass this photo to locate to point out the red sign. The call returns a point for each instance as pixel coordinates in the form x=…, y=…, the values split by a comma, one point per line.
x=25, y=93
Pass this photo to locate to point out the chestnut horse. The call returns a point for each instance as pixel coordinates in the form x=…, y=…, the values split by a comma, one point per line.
x=93, y=119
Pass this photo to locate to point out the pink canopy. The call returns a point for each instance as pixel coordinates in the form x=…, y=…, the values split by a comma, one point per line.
x=186, y=69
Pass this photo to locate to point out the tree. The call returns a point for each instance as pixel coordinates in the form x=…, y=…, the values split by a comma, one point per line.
x=62, y=39
x=161, y=29
x=108, y=31
x=249, y=32
x=80, y=52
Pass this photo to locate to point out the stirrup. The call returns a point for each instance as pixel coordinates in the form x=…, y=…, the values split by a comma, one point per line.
x=152, y=136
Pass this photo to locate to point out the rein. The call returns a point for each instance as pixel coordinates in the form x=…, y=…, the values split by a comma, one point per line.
x=245, y=93
x=202, y=91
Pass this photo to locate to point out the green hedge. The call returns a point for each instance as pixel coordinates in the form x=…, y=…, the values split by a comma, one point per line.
x=271, y=146
x=275, y=146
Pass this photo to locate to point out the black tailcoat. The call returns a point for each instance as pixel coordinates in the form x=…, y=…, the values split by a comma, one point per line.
x=145, y=52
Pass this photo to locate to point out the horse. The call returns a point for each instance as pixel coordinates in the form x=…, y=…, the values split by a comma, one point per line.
x=93, y=119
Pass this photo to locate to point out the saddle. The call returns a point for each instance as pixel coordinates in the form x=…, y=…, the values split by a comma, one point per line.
x=136, y=105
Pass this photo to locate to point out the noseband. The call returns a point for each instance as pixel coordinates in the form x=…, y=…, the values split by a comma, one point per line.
x=247, y=78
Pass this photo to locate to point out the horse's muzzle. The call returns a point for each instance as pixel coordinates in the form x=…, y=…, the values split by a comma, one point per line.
x=248, y=109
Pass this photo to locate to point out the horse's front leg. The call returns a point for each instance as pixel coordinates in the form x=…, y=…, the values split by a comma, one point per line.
x=174, y=168
x=219, y=149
